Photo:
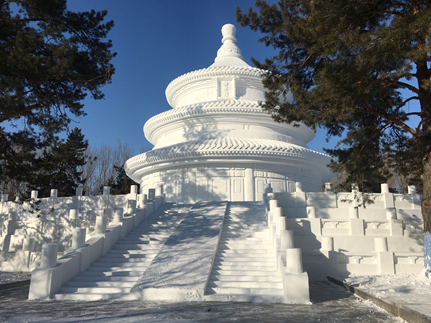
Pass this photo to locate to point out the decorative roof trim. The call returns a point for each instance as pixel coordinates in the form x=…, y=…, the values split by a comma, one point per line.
x=201, y=108
x=224, y=147
x=209, y=72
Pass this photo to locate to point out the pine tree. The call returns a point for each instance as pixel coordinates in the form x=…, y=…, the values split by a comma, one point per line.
x=59, y=167
x=120, y=183
x=361, y=157
x=50, y=59
x=345, y=59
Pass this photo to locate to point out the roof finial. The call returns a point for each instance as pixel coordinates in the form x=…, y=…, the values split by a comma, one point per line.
x=229, y=54
x=228, y=31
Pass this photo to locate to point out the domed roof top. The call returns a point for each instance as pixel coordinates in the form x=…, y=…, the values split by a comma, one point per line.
x=229, y=77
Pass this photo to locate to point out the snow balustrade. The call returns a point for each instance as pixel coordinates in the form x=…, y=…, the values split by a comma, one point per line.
x=52, y=273
x=339, y=234
x=26, y=227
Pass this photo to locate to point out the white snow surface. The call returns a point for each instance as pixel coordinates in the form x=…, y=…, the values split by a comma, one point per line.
x=8, y=277
x=410, y=290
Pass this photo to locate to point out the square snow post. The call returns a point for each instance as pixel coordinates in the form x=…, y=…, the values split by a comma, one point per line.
x=356, y=227
x=78, y=238
x=34, y=194
x=386, y=263
x=388, y=198
x=90, y=252
x=151, y=194
x=124, y=228
x=45, y=282
x=101, y=223
x=118, y=215
x=5, y=243
x=53, y=196
x=295, y=281
x=300, y=198
x=273, y=204
x=315, y=226
x=391, y=213
x=286, y=240
x=133, y=192
x=78, y=191
x=108, y=214
x=415, y=197
x=280, y=225
x=9, y=227
x=142, y=200
x=111, y=237
x=159, y=190
x=386, y=258
x=330, y=256
x=296, y=288
x=328, y=187
x=311, y=212
x=315, y=223
x=396, y=228
x=77, y=198
x=28, y=244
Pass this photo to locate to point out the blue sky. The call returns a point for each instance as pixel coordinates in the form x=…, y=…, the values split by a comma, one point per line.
x=156, y=41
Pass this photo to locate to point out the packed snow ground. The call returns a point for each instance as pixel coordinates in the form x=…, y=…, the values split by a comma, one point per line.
x=411, y=290
x=331, y=303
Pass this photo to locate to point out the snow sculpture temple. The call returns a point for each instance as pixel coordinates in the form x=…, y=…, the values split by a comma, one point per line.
x=218, y=144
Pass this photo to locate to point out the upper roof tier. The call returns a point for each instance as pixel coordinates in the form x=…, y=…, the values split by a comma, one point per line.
x=228, y=78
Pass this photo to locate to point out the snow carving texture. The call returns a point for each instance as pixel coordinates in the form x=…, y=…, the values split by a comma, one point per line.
x=181, y=269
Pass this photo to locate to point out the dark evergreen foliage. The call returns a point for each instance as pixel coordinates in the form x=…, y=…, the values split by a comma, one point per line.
x=50, y=60
x=359, y=155
x=59, y=166
x=120, y=183
x=346, y=60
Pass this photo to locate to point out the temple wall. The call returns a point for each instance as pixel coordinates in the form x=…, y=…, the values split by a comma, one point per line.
x=234, y=182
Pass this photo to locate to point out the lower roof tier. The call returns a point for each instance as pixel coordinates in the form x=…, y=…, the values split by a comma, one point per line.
x=219, y=119
x=227, y=149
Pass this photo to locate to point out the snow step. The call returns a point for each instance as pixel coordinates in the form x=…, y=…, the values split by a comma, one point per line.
x=104, y=290
x=254, y=291
x=104, y=279
x=122, y=284
x=122, y=264
x=242, y=252
x=213, y=297
x=140, y=268
x=124, y=260
x=87, y=296
x=245, y=266
x=112, y=273
x=246, y=284
x=244, y=278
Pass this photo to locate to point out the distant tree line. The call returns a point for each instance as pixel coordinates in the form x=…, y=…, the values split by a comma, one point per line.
x=70, y=163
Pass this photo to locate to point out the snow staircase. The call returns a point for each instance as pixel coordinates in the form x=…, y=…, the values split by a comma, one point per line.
x=114, y=274
x=245, y=266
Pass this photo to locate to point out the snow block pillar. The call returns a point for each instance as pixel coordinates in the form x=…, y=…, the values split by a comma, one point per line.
x=386, y=258
x=330, y=256
x=46, y=280
x=295, y=280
